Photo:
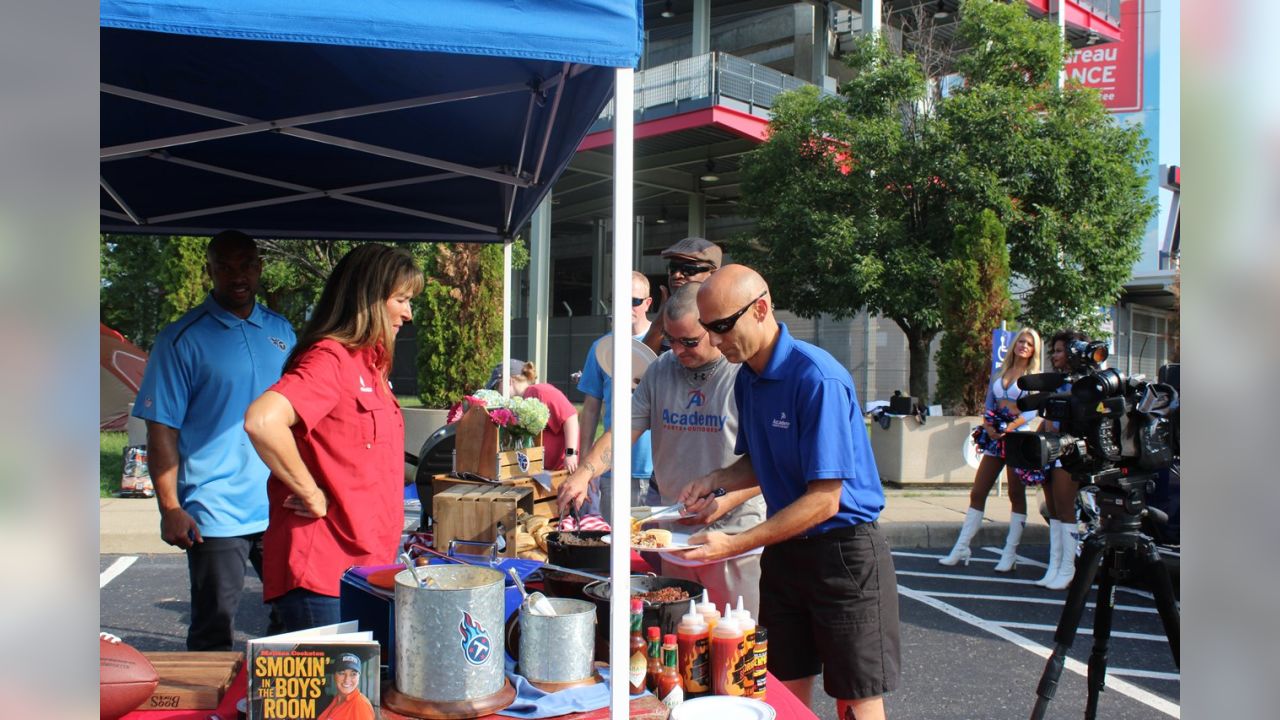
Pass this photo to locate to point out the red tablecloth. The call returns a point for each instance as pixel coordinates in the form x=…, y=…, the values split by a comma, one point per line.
x=779, y=697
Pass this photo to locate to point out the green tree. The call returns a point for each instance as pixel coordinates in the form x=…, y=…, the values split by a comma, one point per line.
x=459, y=319
x=975, y=298
x=856, y=197
x=148, y=281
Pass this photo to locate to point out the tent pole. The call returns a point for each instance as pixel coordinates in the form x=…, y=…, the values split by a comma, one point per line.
x=539, y=309
x=506, y=314
x=620, y=512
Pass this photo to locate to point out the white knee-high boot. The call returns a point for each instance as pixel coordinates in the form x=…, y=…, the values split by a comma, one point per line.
x=960, y=553
x=1055, y=552
x=1067, y=565
x=1009, y=557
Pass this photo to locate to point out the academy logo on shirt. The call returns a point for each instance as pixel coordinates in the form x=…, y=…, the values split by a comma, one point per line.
x=781, y=422
x=363, y=387
x=278, y=343
x=696, y=399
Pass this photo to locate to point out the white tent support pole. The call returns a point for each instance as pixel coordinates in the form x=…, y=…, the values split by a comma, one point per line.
x=257, y=126
x=119, y=200
x=551, y=122
x=313, y=136
x=620, y=512
x=309, y=193
x=394, y=154
x=506, y=313
x=539, y=284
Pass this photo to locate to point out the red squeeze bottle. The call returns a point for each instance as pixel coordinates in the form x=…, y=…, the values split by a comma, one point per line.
x=654, y=666
x=694, y=643
x=726, y=656
x=639, y=660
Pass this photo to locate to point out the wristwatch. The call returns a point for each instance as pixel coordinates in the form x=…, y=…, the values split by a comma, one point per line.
x=570, y=451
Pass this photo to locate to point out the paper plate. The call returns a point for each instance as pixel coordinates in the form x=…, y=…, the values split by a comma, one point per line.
x=641, y=358
x=679, y=543
x=723, y=707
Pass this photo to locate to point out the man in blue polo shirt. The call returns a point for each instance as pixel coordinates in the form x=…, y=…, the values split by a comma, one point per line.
x=202, y=374
x=827, y=588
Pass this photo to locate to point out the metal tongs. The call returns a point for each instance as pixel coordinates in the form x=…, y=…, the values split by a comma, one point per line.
x=679, y=507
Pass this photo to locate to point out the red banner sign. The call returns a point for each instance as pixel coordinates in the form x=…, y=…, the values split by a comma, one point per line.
x=1114, y=69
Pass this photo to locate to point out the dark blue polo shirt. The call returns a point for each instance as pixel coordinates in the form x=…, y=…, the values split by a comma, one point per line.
x=799, y=421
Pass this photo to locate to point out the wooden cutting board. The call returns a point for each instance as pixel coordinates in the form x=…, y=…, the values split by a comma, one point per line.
x=192, y=680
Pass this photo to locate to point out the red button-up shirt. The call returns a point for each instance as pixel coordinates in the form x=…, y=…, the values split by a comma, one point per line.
x=351, y=437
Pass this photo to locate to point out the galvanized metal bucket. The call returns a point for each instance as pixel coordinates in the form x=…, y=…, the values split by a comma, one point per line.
x=558, y=648
x=449, y=634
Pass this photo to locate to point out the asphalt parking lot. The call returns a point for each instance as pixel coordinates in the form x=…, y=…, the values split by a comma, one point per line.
x=974, y=643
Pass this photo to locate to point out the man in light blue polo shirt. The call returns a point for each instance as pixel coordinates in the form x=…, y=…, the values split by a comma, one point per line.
x=598, y=389
x=203, y=372
x=828, y=593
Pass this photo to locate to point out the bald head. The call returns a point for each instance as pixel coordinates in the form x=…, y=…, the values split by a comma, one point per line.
x=734, y=307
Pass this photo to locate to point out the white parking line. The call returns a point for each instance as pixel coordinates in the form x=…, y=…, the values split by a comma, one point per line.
x=974, y=578
x=1124, y=688
x=1084, y=631
x=1022, y=560
x=1036, y=601
x=1149, y=674
x=117, y=567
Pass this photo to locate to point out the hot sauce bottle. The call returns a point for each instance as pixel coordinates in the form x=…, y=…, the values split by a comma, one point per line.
x=709, y=612
x=746, y=671
x=760, y=665
x=694, y=642
x=639, y=659
x=653, y=668
x=670, y=686
x=726, y=656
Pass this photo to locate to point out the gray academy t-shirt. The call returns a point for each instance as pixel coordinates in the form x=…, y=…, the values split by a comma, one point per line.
x=693, y=422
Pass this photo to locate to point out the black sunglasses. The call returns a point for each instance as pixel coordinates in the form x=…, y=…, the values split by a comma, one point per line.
x=724, y=325
x=687, y=342
x=687, y=269
x=637, y=302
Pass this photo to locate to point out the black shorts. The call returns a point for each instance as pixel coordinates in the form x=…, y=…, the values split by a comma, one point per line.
x=830, y=604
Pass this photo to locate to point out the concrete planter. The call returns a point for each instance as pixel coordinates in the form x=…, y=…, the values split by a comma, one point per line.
x=908, y=453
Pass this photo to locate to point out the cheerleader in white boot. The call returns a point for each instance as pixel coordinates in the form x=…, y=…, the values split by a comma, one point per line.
x=1001, y=417
x=1061, y=490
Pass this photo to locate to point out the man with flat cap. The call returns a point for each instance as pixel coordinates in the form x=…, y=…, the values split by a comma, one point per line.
x=691, y=259
x=348, y=703
x=827, y=588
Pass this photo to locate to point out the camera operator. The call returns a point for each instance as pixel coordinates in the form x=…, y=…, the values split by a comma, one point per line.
x=1002, y=416
x=1061, y=489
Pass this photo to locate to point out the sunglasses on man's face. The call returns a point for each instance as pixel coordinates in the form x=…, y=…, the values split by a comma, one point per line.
x=724, y=325
x=687, y=342
x=688, y=269
x=637, y=302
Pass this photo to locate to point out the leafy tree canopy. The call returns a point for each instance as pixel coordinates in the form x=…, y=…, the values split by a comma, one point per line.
x=856, y=197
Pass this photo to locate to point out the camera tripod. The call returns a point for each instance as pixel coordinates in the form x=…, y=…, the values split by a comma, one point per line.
x=1118, y=552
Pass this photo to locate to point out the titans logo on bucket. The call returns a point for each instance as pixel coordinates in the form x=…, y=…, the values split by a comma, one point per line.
x=476, y=645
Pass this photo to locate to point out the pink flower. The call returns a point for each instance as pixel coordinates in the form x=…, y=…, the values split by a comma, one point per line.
x=473, y=401
x=455, y=414
x=502, y=417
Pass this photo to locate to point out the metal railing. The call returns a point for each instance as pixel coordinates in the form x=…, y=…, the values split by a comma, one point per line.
x=713, y=76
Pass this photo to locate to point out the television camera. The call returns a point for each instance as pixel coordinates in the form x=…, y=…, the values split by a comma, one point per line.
x=1113, y=432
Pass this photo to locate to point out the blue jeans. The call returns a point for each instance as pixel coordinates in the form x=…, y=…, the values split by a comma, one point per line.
x=300, y=609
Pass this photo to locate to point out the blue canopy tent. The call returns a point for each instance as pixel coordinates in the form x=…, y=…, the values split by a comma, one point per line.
x=336, y=119
x=439, y=120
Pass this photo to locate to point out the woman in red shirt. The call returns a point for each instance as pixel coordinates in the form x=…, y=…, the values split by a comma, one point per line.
x=560, y=438
x=332, y=434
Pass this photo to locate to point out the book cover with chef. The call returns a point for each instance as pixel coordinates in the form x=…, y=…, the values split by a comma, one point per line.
x=325, y=673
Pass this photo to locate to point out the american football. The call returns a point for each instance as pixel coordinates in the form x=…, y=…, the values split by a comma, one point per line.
x=126, y=679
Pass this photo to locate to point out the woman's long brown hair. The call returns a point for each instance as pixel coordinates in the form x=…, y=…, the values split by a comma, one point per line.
x=353, y=305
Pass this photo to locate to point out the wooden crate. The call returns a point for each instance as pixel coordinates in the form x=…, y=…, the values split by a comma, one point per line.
x=479, y=513
x=544, y=500
x=477, y=451
x=192, y=680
